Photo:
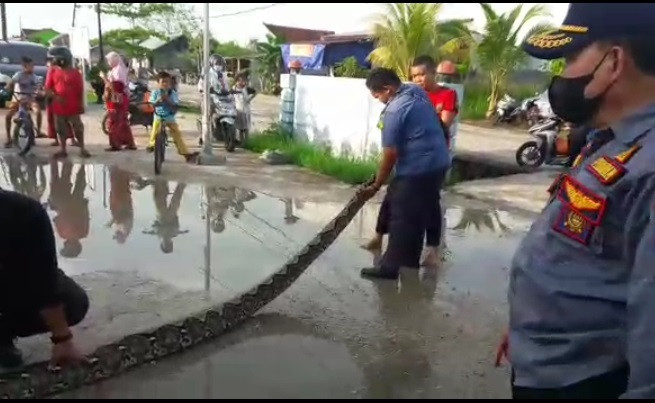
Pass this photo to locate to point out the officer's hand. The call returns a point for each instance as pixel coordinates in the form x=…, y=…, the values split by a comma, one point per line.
x=503, y=350
x=66, y=353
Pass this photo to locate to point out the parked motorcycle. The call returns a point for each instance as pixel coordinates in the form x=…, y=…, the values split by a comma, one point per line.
x=508, y=110
x=141, y=112
x=548, y=147
x=222, y=118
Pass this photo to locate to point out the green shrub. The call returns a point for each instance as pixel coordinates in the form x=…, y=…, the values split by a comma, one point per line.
x=314, y=157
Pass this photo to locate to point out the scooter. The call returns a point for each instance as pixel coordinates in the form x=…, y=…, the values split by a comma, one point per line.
x=547, y=147
x=141, y=112
x=508, y=110
x=222, y=118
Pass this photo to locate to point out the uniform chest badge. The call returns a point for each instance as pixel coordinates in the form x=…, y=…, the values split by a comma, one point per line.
x=574, y=225
x=582, y=211
x=606, y=170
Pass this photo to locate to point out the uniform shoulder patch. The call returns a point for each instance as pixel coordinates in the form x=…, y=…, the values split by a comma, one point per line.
x=582, y=211
x=606, y=170
x=582, y=200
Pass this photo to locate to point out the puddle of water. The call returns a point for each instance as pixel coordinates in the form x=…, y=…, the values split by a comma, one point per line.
x=152, y=252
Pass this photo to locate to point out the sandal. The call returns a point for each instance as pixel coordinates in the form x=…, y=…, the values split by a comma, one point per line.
x=60, y=155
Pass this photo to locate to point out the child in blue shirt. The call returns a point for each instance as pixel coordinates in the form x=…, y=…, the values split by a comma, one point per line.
x=166, y=102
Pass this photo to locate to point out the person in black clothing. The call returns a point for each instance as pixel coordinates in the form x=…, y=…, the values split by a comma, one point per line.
x=35, y=295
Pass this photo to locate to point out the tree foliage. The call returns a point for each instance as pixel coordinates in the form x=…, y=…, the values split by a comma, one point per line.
x=138, y=13
x=127, y=41
x=498, y=53
x=350, y=67
x=408, y=30
x=270, y=61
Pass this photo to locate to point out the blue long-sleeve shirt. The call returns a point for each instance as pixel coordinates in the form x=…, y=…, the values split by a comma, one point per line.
x=582, y=287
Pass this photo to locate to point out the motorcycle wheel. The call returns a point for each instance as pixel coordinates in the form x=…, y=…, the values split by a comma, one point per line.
x=230, y=137
x=105, y=124
x=529, y=154
x=23, y=138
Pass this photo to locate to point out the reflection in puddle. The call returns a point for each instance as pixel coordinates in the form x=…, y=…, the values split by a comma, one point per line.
x=108, y=219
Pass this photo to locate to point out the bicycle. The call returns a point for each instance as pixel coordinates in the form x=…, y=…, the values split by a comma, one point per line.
x=23, y=133
x=160, y=147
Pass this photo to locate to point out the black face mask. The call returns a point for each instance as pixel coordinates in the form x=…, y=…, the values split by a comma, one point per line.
x=567, y=99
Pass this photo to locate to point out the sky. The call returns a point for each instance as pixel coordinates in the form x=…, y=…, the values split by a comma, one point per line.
x=248, y=24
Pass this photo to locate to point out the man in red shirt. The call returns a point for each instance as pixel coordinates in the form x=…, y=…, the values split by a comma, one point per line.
x=65, y=86
x=444, y=99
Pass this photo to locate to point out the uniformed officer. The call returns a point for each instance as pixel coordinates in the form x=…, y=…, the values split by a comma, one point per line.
x=414, y=144
x=582, y=288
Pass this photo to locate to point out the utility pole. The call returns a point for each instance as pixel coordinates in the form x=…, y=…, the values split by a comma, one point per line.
x=207, y=156
x=100, y=47
x=3, y=16
x=74, y=11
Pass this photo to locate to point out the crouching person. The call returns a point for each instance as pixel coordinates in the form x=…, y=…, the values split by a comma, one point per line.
x=35, y=295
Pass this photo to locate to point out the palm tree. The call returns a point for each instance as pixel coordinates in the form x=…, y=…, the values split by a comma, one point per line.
x=498, y=53
x=270, y=59
x=408, y=30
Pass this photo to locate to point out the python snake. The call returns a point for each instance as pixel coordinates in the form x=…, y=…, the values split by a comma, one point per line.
x=39, y=380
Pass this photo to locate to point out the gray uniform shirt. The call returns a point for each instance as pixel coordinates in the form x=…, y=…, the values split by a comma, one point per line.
x=582, y=286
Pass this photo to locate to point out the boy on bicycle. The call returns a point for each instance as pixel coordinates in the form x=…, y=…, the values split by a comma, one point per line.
x=166, y=102
x=28, y=85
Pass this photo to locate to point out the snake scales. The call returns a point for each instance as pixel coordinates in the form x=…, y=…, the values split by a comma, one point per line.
x=38, y=380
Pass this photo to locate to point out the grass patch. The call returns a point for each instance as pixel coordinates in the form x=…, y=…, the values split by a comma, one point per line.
x=91, y=97
x=313, y=157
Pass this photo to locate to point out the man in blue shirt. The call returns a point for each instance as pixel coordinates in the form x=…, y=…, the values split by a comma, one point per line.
x=413, y=141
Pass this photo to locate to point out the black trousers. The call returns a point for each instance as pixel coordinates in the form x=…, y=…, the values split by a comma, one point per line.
x=25, y=321
x=413, y=207
x=432, y=224
x=607, y=386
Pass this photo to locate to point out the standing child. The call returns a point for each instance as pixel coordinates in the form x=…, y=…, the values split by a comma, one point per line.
x=65, y=86
x=242, y=100
x=166, y=102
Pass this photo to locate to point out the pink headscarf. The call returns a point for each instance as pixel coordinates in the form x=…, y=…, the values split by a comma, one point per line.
x=119, y=70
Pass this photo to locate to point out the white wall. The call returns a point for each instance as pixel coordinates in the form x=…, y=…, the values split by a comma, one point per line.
x=337, y=111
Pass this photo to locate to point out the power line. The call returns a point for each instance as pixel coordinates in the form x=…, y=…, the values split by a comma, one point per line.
x=250, y=10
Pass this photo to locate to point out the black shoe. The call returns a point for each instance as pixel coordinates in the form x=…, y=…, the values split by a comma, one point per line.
x=10, y=356
x=375, y=272
x=150, y=149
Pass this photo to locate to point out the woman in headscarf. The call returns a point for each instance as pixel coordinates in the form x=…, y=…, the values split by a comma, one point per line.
x=118, y=102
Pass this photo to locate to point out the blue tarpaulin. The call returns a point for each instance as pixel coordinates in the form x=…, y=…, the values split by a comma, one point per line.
x=321, y=56
x=310, y=55
x=336, y=52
